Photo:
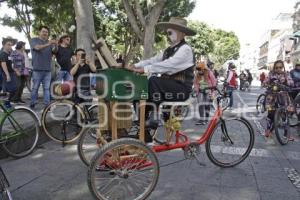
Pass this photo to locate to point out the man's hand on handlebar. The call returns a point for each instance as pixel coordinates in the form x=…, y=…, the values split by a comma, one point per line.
x=130, y=67
x=139, y=70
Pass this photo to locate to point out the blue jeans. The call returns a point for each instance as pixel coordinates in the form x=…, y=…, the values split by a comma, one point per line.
x=10, y=86
x=93, y=80
x=63, y=76
x=39, y=77
x=230, y=93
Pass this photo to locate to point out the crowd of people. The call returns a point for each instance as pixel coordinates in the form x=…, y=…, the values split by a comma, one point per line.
x=46, y=53
x=14, y=69
x=73, y=64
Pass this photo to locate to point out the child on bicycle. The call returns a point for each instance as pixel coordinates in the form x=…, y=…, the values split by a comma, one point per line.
x=204, y=77
x=277, y=75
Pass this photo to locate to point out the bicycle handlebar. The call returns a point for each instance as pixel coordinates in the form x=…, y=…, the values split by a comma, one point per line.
x=213, y=88
x=280, y=85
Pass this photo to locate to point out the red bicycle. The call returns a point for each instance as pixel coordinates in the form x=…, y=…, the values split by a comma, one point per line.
x=129, y=169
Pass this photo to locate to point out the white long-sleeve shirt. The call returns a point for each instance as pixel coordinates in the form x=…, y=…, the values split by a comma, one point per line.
x=181, y=60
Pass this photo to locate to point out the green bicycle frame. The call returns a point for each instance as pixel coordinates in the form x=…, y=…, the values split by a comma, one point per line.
x=7, y=114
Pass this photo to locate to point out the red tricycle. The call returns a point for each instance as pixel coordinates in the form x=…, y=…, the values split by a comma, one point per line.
x=129, y=169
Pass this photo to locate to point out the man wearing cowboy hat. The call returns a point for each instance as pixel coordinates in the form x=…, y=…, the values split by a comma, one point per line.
x=175, y=65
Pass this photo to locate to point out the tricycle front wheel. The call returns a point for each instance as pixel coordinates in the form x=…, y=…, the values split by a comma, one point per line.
x=123, y=169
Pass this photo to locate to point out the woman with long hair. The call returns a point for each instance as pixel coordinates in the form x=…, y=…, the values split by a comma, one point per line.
x=204, y=77
x=279, y=75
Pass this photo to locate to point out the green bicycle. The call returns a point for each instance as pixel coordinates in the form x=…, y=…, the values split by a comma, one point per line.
x=19, y=130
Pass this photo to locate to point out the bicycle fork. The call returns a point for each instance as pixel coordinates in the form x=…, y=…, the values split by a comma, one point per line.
x=225, y=137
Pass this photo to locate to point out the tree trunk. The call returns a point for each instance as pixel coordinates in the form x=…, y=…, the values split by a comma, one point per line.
x=85, y=26
x=149, y=41
x=146, y=31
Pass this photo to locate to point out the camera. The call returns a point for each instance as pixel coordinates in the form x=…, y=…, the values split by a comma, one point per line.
x=53, y=37
x=83, y=56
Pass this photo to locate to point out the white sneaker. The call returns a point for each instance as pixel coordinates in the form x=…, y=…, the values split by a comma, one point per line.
x=151, y=144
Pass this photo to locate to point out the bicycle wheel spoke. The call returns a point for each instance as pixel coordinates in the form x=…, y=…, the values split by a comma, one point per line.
x=62, y=121
x=230, y=143
x=281, y=126
x=21, y=129
x=134, y=165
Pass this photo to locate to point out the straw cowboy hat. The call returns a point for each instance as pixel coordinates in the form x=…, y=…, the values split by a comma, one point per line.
x=177, y=23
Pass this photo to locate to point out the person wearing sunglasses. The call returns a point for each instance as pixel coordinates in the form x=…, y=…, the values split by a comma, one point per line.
x=171, y=71
x=277, y=75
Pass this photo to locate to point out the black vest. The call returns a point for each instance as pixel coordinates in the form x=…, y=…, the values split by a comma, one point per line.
x=185, y=76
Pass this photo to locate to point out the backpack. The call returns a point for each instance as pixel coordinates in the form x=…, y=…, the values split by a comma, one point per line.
x=233, y=82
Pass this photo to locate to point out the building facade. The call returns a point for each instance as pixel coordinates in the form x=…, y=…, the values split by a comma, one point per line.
x=276, y=42
x=295, y=37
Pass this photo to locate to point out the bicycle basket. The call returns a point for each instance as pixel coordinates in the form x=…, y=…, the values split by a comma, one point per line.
x=3, y=181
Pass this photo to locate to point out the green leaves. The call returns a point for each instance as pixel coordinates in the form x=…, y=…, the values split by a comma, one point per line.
x=58, y=15
x=217, y=44
x=227, y=46
x=202, y=42
x=111, y=23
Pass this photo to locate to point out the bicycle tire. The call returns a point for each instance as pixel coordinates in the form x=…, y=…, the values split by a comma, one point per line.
x=210, y=148
x=293, y=120
x=283, y=139
x=88, y=145
x=86, y=150
x=260, y=104
x=12, y=146
x=93, y=112
x=55, y=135
x=134, y=148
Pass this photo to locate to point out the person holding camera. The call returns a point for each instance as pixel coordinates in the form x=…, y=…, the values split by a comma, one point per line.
x=64, y=55
x=81, y=73
x=41, y=49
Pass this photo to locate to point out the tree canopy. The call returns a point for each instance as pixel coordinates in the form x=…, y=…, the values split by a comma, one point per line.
x=111, y=21
x=202, y=42
x=227, y=46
